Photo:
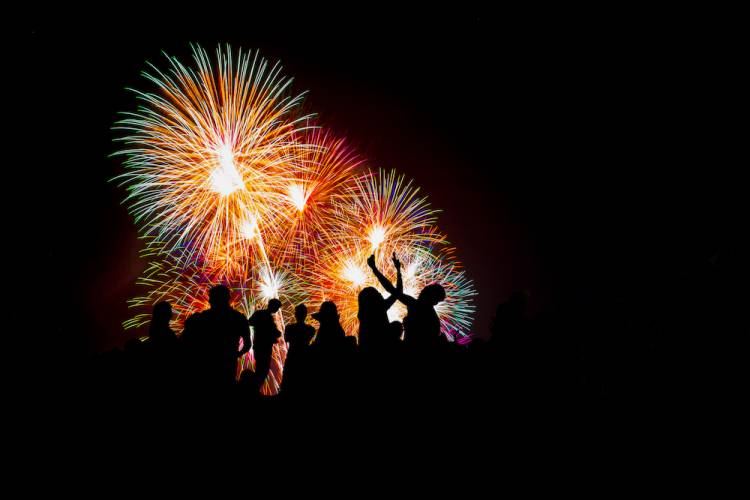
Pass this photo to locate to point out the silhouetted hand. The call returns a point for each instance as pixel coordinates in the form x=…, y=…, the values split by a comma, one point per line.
x=371, y=261
x=396, y=262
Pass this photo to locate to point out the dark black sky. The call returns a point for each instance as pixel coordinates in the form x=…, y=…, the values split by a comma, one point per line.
x=580, y=160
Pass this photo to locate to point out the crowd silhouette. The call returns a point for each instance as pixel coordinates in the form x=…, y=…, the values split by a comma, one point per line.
x=534, y=364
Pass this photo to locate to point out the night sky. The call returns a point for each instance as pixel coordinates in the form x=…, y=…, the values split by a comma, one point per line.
x=582, y=162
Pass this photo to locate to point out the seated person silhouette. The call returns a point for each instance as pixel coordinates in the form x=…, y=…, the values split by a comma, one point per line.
x=422, y=324
x=265, y=335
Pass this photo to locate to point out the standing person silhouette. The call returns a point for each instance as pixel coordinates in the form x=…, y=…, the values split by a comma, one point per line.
x=330, y=333
x=299, y=335
x=333, y=353
x=213, y=337
x=265, y=335
x=373, y=314
x=422, y=324
x=161, y=336
x=162, y=346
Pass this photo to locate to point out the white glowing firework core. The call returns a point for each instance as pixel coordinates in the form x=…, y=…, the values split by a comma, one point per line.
x=298, y=196
x=249, y=228
x=269, y=290
x=225, y=179
x=377, y=236
x=354, y=274
x=411, y=269
x=270, y=285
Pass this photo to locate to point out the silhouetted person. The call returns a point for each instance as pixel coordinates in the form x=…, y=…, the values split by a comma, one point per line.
x=422, y=324
x=509, y=328
x=510, y=316
x=330, y=333
x=332, y=352
x=373, y=313
x=265, y=335
x=161, y=336
x=521, y=357
x=298, y=335
x=136, y=367
x=386, y=372
x=212, y=339
x=162, y=345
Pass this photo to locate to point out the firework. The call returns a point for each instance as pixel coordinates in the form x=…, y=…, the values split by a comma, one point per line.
x=381, y=213
x=327, y=167
x=186, y=288
x=229, y=182
x=208, y=157
x=346, y=273
x=384, y=212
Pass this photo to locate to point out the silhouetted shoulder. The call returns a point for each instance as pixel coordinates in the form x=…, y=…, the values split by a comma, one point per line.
x=237, y=315
x=191, y=325
x=193, y=317
x=256, y=317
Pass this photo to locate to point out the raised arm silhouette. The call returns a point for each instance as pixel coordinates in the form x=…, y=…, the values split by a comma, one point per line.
x=373, y=314
x=422, y=324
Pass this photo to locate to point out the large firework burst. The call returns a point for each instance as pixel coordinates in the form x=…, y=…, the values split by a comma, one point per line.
x=381, y=213
x=230, y=182
x=209, y=156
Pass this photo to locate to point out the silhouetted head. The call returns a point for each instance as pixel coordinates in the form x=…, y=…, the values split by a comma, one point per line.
x=161, y=314
x=274, y=305
x=369, y=298
x=218, y=297
x=327, y=312
x=300, y=313
x=432, y=294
